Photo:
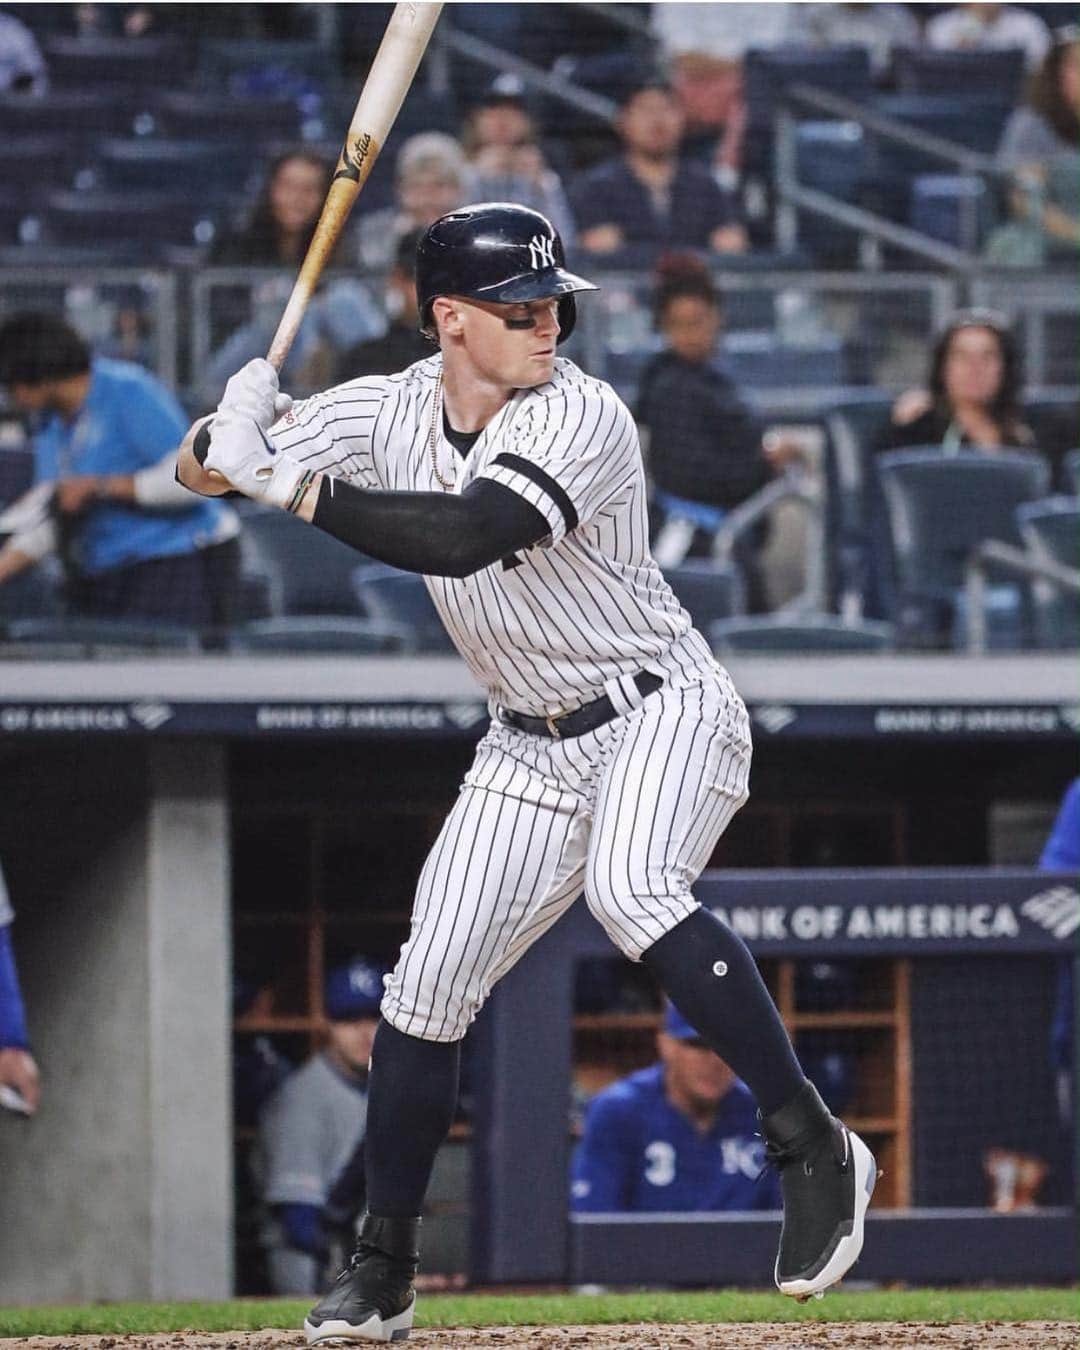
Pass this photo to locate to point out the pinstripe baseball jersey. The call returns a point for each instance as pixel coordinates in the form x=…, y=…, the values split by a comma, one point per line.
x=585, y=609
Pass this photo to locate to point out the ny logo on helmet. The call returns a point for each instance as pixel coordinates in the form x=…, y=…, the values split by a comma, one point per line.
x=541, y=252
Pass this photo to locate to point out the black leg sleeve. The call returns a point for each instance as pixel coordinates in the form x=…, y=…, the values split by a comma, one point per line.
x=710, y=976
x=412, y=1093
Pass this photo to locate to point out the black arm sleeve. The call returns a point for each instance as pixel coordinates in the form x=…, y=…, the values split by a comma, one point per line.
x=439, y=535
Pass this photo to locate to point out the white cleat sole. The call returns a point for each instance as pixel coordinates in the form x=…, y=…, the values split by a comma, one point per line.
x=374, y=1329
x=848, y=1248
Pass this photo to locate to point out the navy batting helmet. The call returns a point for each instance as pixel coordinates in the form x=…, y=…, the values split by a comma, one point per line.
x=495, y=251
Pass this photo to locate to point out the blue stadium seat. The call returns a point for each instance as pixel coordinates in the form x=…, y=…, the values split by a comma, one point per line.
x=1051, y=530
x=258, y=66
x=970, y=74
x=775, y=633
x=153, y=220
x=81, y=117
x=310, y=570
x=18, y=215
x=208, y=115
x=939, y=508
x=209, y=167
x=767, y=71
x=940, y=205
x=402, y=599
x=831, y=157
x=1072, y=470
x=78, y=637
x=708, y=590
x=332, y=634
x=762, y=361
x=33, y=594
x=35, y=163
x=84, y=62
x=858, y=557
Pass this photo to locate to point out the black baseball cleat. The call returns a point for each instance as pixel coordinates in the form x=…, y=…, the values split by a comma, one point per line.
x=373, y=1298
x=827, y=1176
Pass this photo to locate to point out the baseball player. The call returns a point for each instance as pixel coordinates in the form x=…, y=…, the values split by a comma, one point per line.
x=309, y=1130
x=618, y=749
x=20, y=1083
x=680, y=1135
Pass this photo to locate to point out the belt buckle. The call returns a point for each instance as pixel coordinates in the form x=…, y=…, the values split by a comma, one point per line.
x=552, y=725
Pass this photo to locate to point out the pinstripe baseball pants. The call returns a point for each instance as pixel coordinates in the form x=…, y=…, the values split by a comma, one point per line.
x=630, y=813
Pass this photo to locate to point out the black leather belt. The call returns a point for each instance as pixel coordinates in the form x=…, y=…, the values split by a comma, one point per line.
x=581, y=720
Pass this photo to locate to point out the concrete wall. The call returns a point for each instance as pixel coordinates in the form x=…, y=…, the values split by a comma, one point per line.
x=120, y=1187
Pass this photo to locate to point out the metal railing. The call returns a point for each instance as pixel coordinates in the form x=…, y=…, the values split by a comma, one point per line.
x=995, y=555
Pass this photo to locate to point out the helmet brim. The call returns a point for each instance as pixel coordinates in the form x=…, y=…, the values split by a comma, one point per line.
x=532, y=285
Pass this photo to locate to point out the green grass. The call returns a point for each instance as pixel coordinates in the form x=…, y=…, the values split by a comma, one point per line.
x=474, y=1310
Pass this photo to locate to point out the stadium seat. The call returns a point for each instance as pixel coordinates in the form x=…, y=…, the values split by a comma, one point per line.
x=831, y=157
x=211, y=167
x=939, y=508
x=402, y=599
x=970, y=74
x=35, y=163
x=858, y=562
x=1051, y=530
x=310, y=571
x=80, y=117
x=78, y=637
x=17, y=216
x=1072, y=471
x=105, y=63
x=312, y=633
x=763, y=361
x=942, y=204
x=266, y=66
x=708, y=590
x=152, y=220
x=778, y=634
x=206, y=115
x=33, y=594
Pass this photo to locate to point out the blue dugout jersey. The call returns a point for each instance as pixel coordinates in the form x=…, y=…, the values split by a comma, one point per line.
x=640, y=1155
x=128, y=422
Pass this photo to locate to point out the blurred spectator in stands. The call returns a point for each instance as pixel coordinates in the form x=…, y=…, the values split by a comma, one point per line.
x=402, y=343
x=880, y=28
x=1041, y=147
x=132, y=542
x=681, y=1135
x=704, y=46
x=22, y=66
x=975, y=27
x=430, y=179
x=972, y=399
x=277, y=234
x=18, y=1072
x=284, y=217
x=506, y=160
x=310, y=1131
x=648, y=199
x=706, y=452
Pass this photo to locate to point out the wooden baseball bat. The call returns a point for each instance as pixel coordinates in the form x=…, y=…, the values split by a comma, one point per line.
x=392, y=72
x=404, y=42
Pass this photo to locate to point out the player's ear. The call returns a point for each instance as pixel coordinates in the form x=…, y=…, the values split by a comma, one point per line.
x=448, y=315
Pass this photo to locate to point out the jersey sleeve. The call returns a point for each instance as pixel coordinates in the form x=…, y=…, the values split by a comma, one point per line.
x=570, y=455
x=1062, y=850
x=343, y=431
x=603, y=1168
x=290, y=1152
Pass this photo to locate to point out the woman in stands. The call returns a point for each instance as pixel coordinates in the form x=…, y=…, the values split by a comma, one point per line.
x=1041, y=147
x=973, y=396
x=284, y=218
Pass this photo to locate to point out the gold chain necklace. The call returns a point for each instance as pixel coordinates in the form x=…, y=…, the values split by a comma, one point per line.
x=436, y=406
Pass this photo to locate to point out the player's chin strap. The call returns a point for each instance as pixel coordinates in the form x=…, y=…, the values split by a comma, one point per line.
x=624, y=694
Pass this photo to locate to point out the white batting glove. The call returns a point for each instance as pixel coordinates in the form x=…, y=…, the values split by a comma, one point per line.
x=241, y=452
x=254, y=392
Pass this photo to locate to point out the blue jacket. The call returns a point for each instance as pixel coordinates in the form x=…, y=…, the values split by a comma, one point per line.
x=639, y=1154
x=128, y=422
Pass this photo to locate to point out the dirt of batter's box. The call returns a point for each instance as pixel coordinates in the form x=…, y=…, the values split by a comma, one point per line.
x=641, y=1336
